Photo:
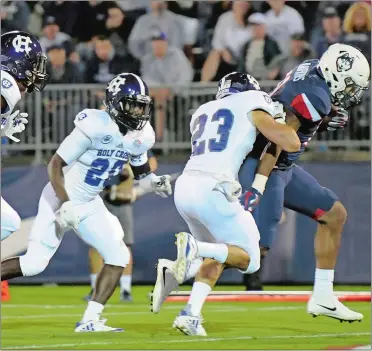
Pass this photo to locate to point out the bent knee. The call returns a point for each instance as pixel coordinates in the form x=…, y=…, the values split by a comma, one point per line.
x=33, y=264
x=118, y=255
x=254, y=265
x=336, y=215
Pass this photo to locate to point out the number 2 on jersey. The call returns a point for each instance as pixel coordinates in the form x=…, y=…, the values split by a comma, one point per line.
x=223, y=131
x=99, y=167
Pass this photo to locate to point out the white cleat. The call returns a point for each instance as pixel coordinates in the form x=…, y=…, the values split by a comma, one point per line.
x=187, y=251
x=95, y=326
x=165, y=284
x=331, y=307
x=188, y=324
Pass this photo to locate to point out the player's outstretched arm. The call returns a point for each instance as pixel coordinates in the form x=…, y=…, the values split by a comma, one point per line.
x=280, y=134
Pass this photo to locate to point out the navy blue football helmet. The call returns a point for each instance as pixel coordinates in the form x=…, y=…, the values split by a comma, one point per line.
x=236, y=82
x=23, y=58
x=128, y=102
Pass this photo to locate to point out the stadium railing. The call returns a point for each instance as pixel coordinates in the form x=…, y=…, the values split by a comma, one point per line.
x=52, y=113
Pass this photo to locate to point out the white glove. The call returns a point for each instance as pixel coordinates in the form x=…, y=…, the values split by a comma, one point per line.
x=231, y=189
x=279, y=114
x=161, y=185
x=68, y=216
x=15, y=123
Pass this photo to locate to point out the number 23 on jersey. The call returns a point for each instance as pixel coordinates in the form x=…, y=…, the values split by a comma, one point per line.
x=225, y=118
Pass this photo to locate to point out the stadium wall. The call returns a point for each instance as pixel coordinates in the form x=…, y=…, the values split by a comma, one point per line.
x=156, y=221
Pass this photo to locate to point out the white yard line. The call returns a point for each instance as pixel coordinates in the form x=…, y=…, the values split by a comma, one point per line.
x=188, y=340
x=214, y=310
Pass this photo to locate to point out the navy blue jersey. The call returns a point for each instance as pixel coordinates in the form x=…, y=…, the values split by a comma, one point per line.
x=305, y=93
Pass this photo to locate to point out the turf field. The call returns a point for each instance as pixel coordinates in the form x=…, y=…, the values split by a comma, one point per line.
x=44, y=318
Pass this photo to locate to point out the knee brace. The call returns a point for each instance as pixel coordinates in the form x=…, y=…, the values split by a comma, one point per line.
x=119, y=256
x=33, y=264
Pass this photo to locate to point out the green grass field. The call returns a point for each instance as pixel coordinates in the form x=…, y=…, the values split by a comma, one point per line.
x=44, y=318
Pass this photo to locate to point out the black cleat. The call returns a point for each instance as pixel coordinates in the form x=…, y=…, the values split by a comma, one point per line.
x=126, y=296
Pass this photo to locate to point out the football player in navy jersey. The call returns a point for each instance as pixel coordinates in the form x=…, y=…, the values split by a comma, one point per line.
x=320, y=94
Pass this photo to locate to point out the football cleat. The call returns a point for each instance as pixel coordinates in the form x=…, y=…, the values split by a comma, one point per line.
x=189, y=324
x=331, y=307
x=165, y=284
x=187, y=251
x=126, y=296
x=95, y=326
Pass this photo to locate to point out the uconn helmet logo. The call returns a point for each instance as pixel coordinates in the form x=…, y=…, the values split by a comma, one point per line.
x=344, y=62
x=22, y=44
x=114, y=86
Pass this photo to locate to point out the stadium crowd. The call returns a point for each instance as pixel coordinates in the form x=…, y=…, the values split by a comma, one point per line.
x=174, y=43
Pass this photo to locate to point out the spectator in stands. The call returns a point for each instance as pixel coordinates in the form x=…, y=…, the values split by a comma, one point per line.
x=91, y=19
x=14, y=15
x=165, y=65
x=133, y=9
x=230, y=34
x=119, y=27
x=104, y=64
x=357, y=27
x=159, y=18
x=218, y=8
x=282, y=22
x=65, y=13
x=332, y=31
x=52, y=36
x=259, y=52
x=61, y=70
x=300, y=50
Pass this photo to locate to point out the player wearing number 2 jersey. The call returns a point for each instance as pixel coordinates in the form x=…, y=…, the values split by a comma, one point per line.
x=97, y=149
x=206, y=194
x=339, y=78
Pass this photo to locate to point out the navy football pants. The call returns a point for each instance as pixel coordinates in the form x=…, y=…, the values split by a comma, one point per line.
x=292, y=188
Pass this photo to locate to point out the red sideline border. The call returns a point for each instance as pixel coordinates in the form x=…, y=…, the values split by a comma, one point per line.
x=269, y=296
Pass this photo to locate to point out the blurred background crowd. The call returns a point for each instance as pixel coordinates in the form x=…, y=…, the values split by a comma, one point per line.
x=171, y=44
x=90, y=41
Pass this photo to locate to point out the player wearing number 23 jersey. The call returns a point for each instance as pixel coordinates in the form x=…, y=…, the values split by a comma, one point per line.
x=206, y=194
x=97, y=149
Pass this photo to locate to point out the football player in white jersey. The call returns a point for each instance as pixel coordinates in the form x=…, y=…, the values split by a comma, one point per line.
x=98, y=148
x=206, y=194
x=23, y=68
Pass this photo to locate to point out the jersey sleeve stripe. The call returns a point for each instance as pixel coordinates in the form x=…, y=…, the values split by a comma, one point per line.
x=305, y=108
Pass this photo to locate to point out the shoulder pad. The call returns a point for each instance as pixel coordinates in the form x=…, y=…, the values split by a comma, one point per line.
x=94, y=123
x=257, y=100
x=9, y=91
x=143, y=140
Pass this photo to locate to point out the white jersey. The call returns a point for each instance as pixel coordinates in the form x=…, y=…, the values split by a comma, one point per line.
x=96, y=151
x=10, y=92
x=223, y=132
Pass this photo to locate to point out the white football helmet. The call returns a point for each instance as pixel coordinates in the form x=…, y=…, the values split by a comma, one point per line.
x=347, y=73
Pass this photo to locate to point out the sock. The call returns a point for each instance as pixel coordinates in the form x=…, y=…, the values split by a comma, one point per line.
x=93, y=278
x=323, y=281
x=197, y=298
x=194, y=268
x=125, y=283
x=218, y=252
x=92, y=312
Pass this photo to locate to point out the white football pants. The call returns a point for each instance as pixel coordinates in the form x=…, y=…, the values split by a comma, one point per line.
x=10, y=220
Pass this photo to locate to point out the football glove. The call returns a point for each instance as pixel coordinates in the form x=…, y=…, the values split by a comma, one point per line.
x=68, y=216
x=162, y=185
x=279, y=114
x=339, y=121
x=15, y=123
x=251, y=199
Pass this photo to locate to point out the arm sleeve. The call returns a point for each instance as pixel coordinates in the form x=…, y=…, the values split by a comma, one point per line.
x=74, y=146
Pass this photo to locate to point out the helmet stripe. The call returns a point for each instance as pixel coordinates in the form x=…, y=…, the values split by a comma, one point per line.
x=140, y=82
